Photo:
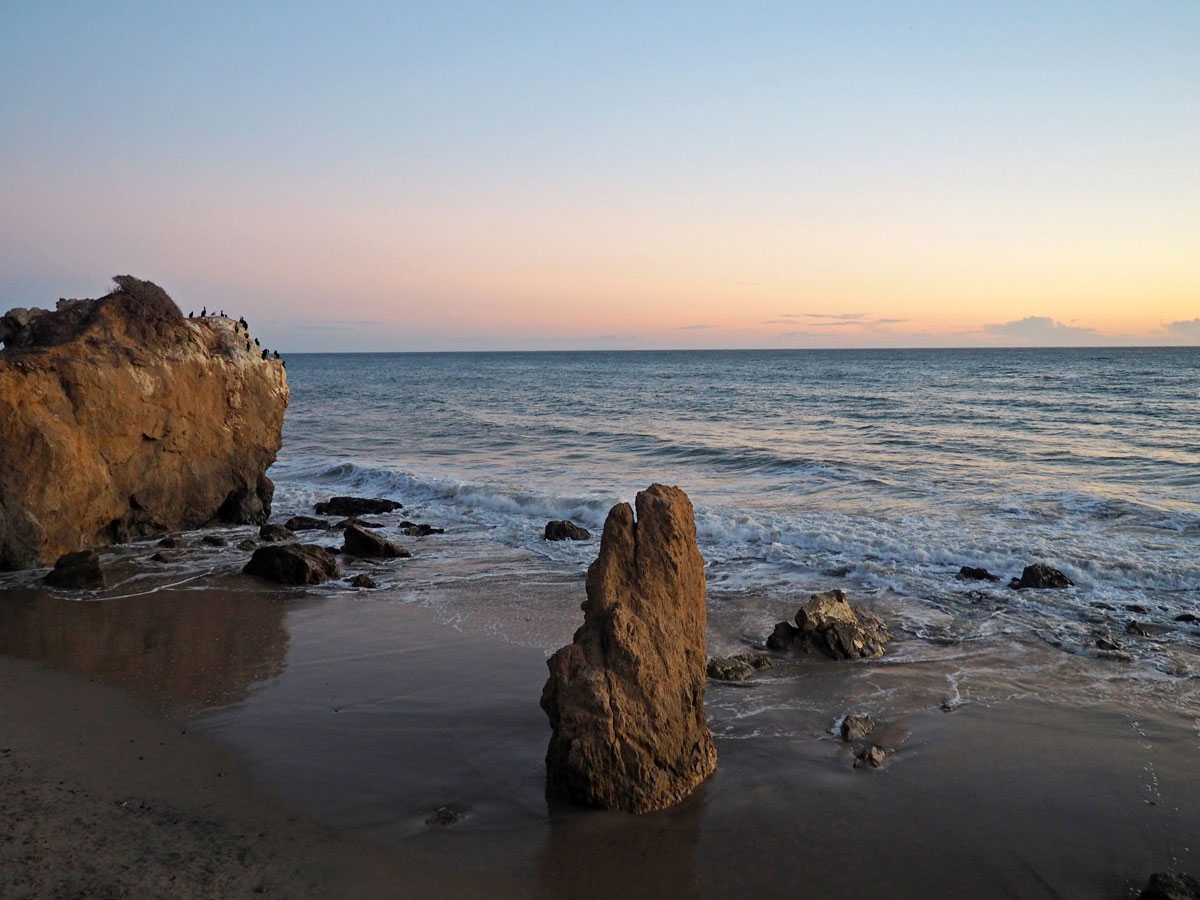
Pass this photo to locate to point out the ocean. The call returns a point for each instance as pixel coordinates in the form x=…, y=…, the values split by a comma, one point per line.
x=881, y=472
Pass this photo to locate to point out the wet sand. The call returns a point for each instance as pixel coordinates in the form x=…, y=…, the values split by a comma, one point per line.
x=342, y=721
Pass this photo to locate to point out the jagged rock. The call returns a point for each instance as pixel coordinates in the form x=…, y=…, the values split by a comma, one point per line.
x=214, y=540
x=420, y=529
x=362, y=543
x=855, y=728
x=873, y=757
x=829, y=624
x=562, y=530
x=293, y=564
x=305, y=523
x=273, y=532
x=626, y=698
x=736, y=668
x=355, y=506
x=172, y=543
x=362, y=581
x=1040, y=576
x=1165, y=886
x=355, y=520
x=150, y=422
x=971, y=573
x=79, y=570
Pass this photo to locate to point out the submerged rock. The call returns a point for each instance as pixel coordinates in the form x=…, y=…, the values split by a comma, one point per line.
x=355, y=520
x=738, y=667
x=626, y=698
x=829, y=624
x=562, y=530
x=1107, y=642
x=1041, y=576
x=293, y=564
x=150, y=422
x=362, y=543
x=362, y=581
x=172, y=543
x=970, y=573
x=247, y=544
x=306, y=523
x=356, y=506
x=1137, y=629
x=855, y=728
x=273, y=532
x=420, y=529
x=1165, y=886
x=214, y=540
x=80, y=570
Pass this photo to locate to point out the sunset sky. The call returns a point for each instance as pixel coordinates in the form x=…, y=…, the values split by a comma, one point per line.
x=392, y=176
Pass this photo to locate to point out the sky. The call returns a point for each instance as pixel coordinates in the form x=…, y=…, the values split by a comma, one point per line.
x=464, y=176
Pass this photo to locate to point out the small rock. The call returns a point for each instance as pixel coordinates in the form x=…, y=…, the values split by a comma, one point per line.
x=247, y=545
x=1041, y=576
x=163, y=557
x=362, y=543
x=1115, y=656
x=736, y=668
x=422, y=529
x=1137, y=608
x=272, y=532
x=855, y=728
x=1164, y=886
x=362, y=581
x=306, y=523
x=872, y=756
x=1106, y=642
x=172, y=543
x=214, y=540
x=79, y=570
x=828, y=623
x=443, y=816
x=355, y=520
x=562, y=530
x=293, y=564
x=356, y=506
x=970, y=573
x=1099, y=605
x=1136, y=628
x=839, y=572
x=1186, y=617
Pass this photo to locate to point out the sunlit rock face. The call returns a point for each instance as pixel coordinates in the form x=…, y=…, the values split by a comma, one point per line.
x=121, y=417
x=626, y=697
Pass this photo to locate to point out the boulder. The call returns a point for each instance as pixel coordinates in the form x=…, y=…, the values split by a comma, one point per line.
x=362, y=543
x=305, y=523
x=736, y=668
x=1040, y=576
x=293, y=564
x=362, y=581
x=355, y=506
x=971, y=573
x=562, y=530
x=273, y=532
x=1165, y=886
x=150, y=422
x=829, y=624
x=870, y=757
x=855, y=728
x=625, y=699
x=80, y=570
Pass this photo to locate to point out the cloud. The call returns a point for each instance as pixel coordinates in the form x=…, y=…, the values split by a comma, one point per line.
x=1042, y=330
x=835, y=315
x=692, y=327
x=1187, y=328
x=889, y=321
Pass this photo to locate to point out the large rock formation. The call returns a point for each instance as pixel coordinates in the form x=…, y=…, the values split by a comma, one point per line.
x=121, y=417
x=626, y=697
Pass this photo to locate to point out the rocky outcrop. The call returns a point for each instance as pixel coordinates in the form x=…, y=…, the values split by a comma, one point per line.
x=362, y=543
x=120, y=417
x=971, y=573
x=626, y=698
x=1041, y=576
x=829, y=624
x=293, y=564
x=355, y=506
x=563, y=530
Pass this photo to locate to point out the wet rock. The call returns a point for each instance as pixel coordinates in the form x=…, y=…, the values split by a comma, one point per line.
x=736, y=668
x=1101, y=605
x=970, y=573
x=420, y=529
x=293, y=564
x=444, y=816
x=855, y=728
x=562, y=530
x=163, y=556
x=80, y=570
x=356, y=506
x=1040, y=576
x=273, y=532
x=626, y=698
x=870, y=757
x=355, y=520
x=1107, y=642
x=1187, y=617
x=1114, y=655
x=1137, y=608
x=364, y=544
x=362, y=581
x=1165, y=886
x=247, y=545
x=214, y=540
x=1137, y=629
x=829, y=624
x=306, y=523
x=838, y=572
x=172, y=543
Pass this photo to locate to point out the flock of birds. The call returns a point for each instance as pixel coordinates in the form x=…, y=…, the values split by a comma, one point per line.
x=241, y=324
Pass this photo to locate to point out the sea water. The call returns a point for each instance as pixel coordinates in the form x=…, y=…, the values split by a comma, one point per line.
x=881, y=472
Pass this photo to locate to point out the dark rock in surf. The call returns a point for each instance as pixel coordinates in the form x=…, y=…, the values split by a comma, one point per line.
x=1187, y=617
x=214, y=540
x=306, y=523
x=172, y=543
x=783, y=637
x=562, y=530
x=870, y=757
x=163, y=556
x=420, y=529
x=362, y=543
x=1137, y=629
x=80, y=570
x=444, y=816
x=1041, y=577
x=1108, y=642
x=1137, y=608
x=273, y=532
x=829, y=624
x=362, y=581
x=354, y=520
x=293, y=564
x=1165, y=886
x=855, y=728
x=970, y=573
x=247, y=545
x=356, y=506
x=736, y=668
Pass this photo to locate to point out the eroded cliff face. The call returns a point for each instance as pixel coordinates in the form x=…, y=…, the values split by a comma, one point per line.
x=120, y=417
